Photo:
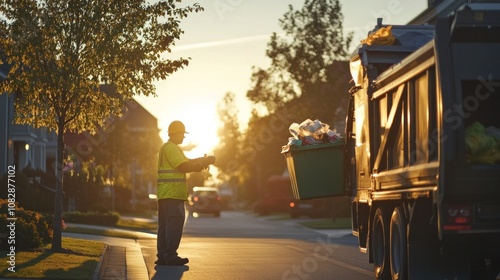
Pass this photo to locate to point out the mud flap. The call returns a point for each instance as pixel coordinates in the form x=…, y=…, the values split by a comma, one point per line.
x=425, y=262
x=425, y=259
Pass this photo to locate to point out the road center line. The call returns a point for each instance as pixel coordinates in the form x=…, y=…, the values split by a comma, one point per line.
x=338, y=263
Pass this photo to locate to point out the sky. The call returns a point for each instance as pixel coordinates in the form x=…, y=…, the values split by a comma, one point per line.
x=225, y=42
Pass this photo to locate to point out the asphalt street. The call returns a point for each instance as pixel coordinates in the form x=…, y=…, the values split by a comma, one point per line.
x=243, y=246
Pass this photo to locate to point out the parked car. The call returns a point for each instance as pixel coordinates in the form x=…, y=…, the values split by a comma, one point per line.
x=205, y=200
x=275, y=196
x=314, y=208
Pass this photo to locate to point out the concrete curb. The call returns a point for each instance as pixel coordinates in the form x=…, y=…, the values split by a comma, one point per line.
x=99, y=270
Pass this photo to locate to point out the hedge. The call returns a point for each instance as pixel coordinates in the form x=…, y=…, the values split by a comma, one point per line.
x=30, y=230
x=92, y=218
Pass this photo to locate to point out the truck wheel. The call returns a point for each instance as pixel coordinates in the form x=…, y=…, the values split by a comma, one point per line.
x=398, y=245
x=380, y=244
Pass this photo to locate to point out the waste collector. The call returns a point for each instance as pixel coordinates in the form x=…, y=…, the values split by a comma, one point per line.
x=172, y=192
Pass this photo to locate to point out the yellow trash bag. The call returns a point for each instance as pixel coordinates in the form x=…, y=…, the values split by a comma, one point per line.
x=480, y=147
x=383, y=36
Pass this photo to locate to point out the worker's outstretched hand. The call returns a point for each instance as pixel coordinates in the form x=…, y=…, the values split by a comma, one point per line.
x=209, y=160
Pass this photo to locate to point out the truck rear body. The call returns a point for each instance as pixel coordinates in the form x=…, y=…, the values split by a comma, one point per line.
x=423, y=140
x=421, y=161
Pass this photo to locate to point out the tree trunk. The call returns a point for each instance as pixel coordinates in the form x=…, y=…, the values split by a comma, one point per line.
x=58, y=204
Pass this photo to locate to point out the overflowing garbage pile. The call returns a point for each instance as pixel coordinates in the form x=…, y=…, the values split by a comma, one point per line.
x=312, y=133
x=383, y=36
x=482, y=145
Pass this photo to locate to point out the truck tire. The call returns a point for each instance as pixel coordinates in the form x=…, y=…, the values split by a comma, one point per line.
x=380, y=244
x=398, y=239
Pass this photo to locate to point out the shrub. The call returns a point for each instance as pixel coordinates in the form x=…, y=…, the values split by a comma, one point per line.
x=92, y=218
x=32, y=229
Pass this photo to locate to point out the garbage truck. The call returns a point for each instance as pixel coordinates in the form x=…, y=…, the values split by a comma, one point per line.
x=421, y=156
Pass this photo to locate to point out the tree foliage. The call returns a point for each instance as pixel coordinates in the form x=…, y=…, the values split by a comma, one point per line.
x=61, y=51
x=229, y=135
x=312, y=40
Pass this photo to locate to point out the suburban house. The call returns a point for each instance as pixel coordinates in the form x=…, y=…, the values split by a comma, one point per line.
x=22, y=145
x=130, y=145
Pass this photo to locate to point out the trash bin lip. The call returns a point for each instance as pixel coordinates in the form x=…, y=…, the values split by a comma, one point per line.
x=289, y=148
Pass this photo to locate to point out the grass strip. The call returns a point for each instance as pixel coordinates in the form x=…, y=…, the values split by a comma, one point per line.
x=103, y=232
x=338, y=223
x=78, y=261
x=137, y=225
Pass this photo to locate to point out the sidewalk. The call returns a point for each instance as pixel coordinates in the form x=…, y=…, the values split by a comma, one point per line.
x=122, y=263
x=122, y=258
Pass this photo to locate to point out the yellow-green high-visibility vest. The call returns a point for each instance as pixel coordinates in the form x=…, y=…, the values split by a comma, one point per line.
x=171, y=182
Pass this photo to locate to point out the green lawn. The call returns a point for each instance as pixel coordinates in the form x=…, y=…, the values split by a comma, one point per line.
x=78, y=262
x=136, y=225
x=329, y=223
x=103, y=232
x=122, y=224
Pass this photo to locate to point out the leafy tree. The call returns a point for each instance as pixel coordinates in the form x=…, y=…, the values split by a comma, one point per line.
x=230, y=162
x=197, y=179
x=61, y=51
x=229, y=135
x=313, y=40
x=308, y=78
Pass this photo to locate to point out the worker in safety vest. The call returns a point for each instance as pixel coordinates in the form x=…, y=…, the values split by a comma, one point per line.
x=172, y=192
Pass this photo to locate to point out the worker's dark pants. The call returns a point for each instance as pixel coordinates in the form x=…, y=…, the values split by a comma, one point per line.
x=171, y=216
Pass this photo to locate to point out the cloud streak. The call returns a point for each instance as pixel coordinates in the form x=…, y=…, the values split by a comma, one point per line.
x=234, y=41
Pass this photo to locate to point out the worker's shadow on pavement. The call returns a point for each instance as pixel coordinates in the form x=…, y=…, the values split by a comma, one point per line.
x=169, y=272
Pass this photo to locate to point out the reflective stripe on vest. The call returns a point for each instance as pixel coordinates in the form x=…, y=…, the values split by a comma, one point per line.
x=173, y=180
x=178, y=176
x=171, y=171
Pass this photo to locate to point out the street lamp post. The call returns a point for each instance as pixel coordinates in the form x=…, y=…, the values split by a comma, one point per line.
x=111, y=185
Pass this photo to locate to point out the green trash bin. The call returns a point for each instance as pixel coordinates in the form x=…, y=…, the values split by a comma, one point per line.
x=316, y=170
